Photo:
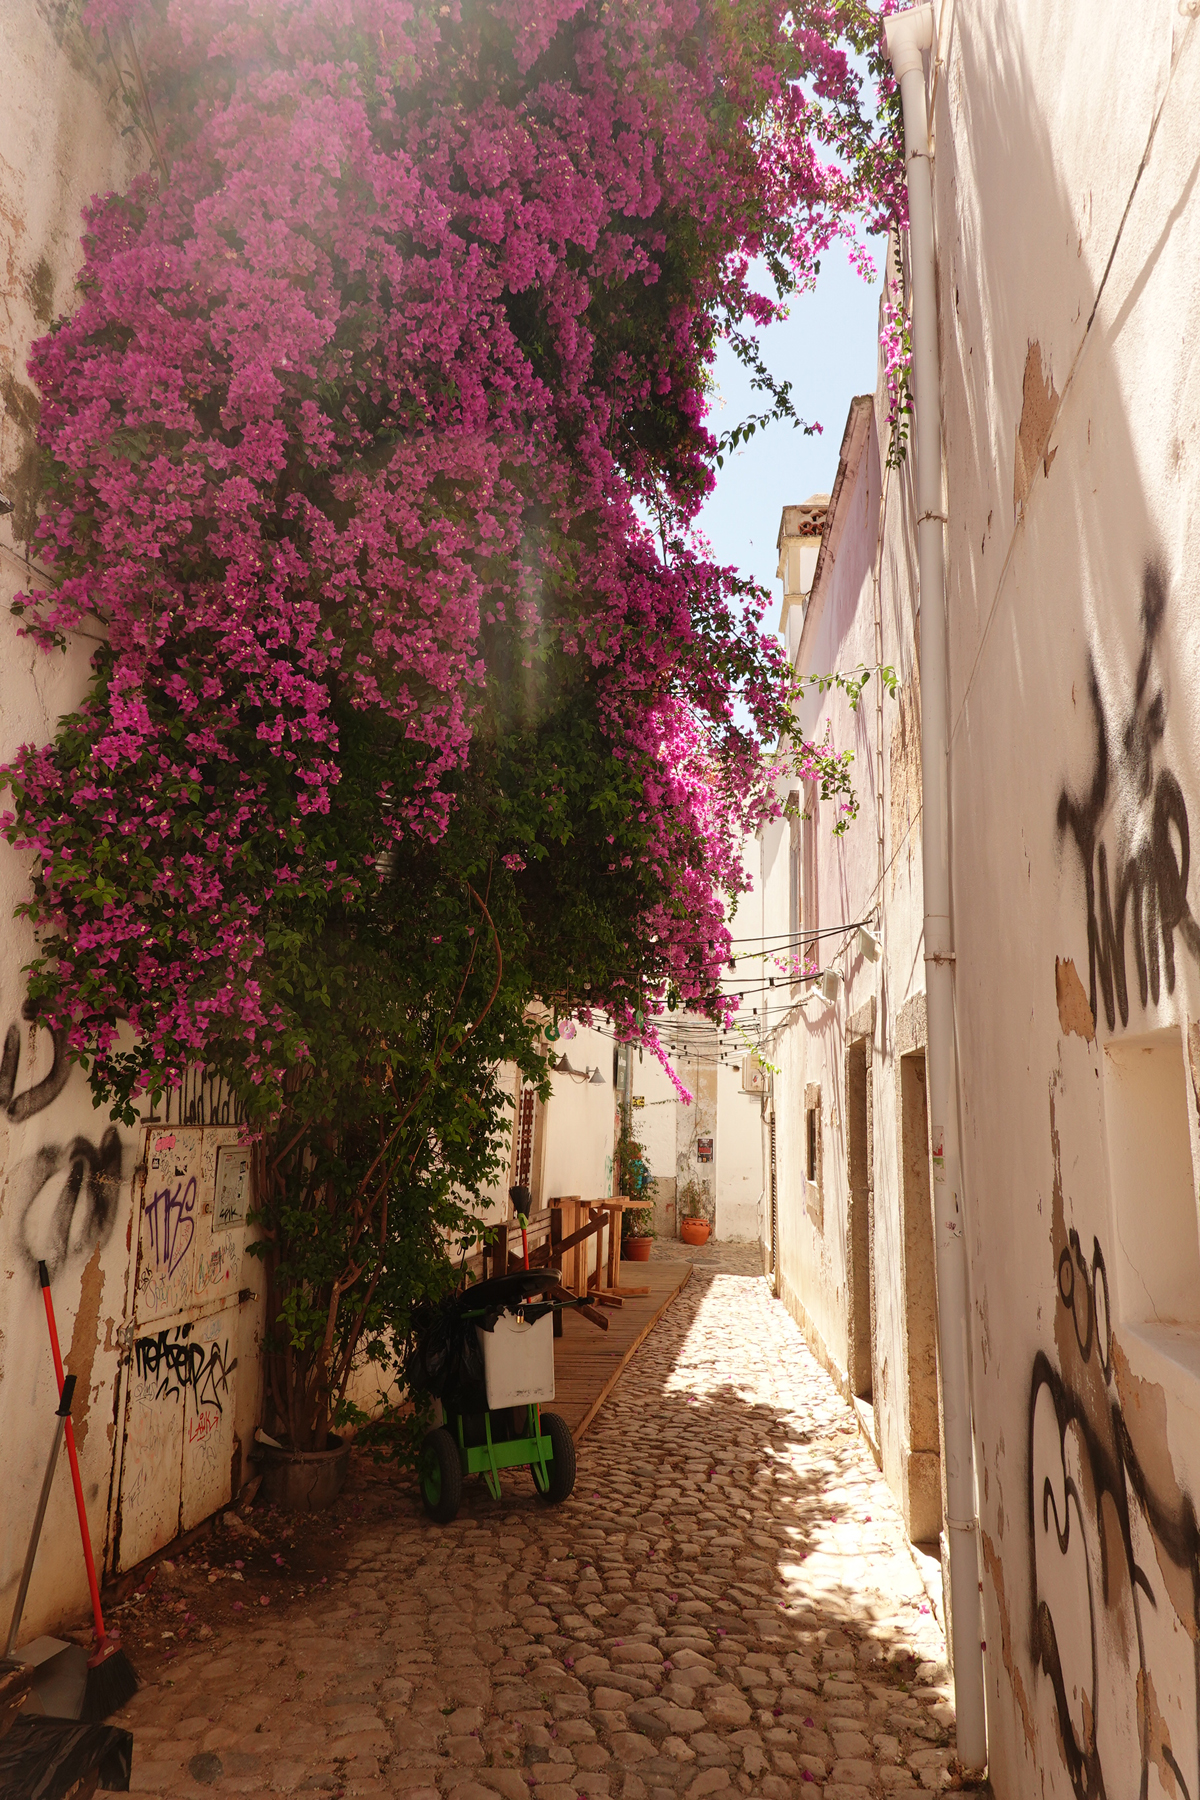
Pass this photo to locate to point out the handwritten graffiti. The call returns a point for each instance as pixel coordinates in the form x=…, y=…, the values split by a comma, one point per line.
x=202, y=1098
x=212, y=1269
x=202, y=1427
x=172, y=1223
x=1144, y=892
x=22, y=1106
x=1115, y=1558
x=178, y=1365
x=65, y=1197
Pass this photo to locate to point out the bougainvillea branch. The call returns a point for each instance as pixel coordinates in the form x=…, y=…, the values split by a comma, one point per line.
x=348, y=433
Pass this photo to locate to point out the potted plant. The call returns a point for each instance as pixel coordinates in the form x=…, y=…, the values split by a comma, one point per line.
x=632, y=1170
x=637, y=1235
x=694, y=1228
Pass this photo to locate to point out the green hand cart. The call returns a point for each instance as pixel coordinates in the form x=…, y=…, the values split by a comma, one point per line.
x=488, y=1357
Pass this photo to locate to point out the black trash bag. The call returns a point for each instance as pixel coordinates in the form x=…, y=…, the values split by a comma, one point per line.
x=444, y=1359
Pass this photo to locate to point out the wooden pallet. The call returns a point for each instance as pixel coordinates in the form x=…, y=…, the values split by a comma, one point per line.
x=588, y=1363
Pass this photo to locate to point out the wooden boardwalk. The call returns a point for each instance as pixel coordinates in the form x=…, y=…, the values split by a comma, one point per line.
x=587, y=1361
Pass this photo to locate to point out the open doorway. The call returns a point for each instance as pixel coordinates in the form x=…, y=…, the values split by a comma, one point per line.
x=923, y=1478
x=860, y=1272
x=773, y=1269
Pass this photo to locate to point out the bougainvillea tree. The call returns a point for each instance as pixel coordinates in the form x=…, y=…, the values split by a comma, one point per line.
x=372, y=444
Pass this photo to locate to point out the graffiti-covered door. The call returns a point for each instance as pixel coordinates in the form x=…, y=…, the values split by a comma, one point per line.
x=177, y=1446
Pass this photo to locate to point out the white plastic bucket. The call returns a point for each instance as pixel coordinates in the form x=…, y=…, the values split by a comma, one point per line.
x=518, y=1360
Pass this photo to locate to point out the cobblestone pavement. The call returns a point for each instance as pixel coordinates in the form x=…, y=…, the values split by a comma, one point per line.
x=727, y=1605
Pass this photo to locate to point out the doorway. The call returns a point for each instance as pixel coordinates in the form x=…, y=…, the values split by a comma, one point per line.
x=860, y=1233
x=180, y=1452
x=773, y=1269
x=924, y=1482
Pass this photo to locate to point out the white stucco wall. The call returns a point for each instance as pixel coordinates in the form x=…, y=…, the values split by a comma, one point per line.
x=60, y=142
x=855, y=1246
x=579, y=1121
x=738, y=1153
x=1068, y=234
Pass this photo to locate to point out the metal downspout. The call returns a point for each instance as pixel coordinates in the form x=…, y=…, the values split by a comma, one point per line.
x=908, y=35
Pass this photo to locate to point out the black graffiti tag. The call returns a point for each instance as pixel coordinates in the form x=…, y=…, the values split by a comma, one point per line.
x=1115, y=1566
x=43, y=1093
x=181, y=1366
x=1145, y=892
x=201, y=1098
x=66, y=1197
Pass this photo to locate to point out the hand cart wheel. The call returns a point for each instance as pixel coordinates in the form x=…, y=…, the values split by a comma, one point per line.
x=562, y=1468
x=440, y=1474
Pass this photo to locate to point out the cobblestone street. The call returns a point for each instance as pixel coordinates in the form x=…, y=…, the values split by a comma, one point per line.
x=728, y=1603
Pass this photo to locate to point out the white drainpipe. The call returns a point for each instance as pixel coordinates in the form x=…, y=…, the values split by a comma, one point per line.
x=908, y=34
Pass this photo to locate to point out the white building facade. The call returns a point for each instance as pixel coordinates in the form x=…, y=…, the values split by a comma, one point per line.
x=1067, y=221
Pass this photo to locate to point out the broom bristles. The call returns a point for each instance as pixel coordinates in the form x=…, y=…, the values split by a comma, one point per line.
x=111, y=1683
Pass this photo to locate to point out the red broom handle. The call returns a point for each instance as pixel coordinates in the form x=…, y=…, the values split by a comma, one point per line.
x=73, y=1456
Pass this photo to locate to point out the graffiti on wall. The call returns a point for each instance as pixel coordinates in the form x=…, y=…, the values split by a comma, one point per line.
x=171, y=1218
x=64, y=1196
x=201, y=1098
x=23, y=1104
x=173, y=1364
x=1115, y=1552
x=1131, y=832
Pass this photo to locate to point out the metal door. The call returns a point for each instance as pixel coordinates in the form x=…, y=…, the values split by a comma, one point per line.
x=191, y=1277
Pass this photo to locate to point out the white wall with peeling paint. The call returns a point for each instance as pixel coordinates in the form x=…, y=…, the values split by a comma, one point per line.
x=1069, y=233
x=65, y=1172
x=154, y=1295
x=854, y=1258
x=1067, y=207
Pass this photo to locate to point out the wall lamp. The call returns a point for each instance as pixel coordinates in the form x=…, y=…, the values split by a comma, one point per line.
x=590, y=1075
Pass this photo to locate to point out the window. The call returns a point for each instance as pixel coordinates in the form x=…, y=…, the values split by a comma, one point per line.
x=1155, y=1256
x=814, y=1192
x=523, y=1162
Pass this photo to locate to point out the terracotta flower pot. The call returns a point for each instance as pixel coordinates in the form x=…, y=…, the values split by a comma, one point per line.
x=303, y=1480
x=636, y=1249
x=695, y=1231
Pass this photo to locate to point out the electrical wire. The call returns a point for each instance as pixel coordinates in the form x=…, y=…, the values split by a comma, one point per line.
x=802, y=936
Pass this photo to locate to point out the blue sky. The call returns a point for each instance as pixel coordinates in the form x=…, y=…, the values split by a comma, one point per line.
x=826, y=349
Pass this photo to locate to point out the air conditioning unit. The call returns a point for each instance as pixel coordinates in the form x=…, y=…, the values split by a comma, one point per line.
x=754, y=1076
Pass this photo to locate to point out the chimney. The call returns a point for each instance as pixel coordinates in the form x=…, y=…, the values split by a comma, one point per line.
x=798, y=543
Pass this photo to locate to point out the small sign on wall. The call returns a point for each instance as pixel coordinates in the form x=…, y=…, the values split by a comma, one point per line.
x=233, y=1186
x=704, y=1149
x=638, y=1100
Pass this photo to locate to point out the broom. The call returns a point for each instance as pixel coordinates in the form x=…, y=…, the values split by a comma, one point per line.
x=110, y=1677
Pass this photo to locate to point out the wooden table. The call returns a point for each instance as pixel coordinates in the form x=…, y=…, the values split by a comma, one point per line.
x=575, y=1213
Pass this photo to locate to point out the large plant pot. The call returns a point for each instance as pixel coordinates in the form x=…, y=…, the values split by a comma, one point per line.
x=636, y=1249
x=303, y=1480
x=695, y=1231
